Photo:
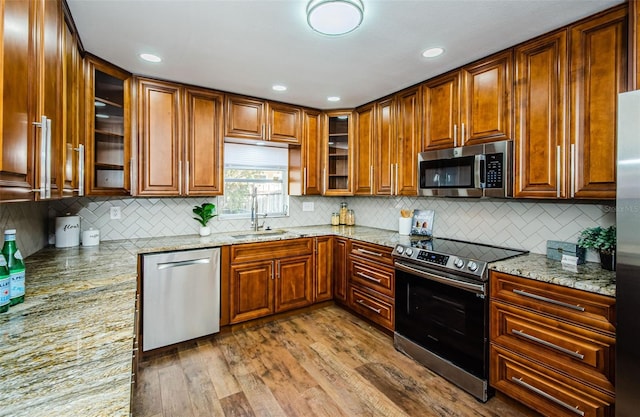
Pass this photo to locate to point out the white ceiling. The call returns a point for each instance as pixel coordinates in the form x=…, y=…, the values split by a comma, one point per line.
x=246, y=46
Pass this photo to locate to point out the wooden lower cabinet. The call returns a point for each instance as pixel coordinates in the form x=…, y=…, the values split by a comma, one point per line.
x=340, y=269
x=552, y=347
x=323, y=279
x=270, y=277
x=371, y=284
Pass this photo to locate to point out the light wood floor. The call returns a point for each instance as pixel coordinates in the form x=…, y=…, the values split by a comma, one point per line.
x=321, y=363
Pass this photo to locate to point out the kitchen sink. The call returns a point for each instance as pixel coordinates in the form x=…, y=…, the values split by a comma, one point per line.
x=260, y=234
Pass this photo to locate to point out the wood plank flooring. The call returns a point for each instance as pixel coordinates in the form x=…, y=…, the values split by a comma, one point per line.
x=323, y=363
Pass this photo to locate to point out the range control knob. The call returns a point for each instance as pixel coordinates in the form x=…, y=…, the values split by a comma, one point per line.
x=472, y=266
x=459, y=263
x=408, y=252
x=399, y=249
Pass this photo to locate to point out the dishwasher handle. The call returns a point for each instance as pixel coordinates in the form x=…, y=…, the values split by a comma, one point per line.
x=176, y=264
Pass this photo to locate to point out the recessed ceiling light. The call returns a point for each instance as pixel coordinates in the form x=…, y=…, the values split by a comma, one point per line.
x=433, y=52
x=99, y=104
x=279, y=87
x=333, y=98
x=335, y=17
x=150, y=57
x=260, y=143
x=102, y=116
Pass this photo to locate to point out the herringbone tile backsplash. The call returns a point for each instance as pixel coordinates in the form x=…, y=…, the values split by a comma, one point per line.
x=520, y=224
x=29, y=220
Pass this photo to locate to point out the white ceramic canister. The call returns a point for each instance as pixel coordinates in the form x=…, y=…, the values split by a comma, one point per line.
x=91, y=237
x=67, y=231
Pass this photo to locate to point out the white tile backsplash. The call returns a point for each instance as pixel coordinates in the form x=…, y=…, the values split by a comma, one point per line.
x=522, y=224
x=30, y=222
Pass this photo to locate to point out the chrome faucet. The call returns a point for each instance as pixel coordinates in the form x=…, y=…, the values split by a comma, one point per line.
x=254, y=210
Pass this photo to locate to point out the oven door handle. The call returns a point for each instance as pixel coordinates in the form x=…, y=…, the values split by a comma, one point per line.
x=467, y=286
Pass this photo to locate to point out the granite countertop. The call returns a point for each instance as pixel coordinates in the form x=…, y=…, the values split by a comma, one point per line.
x=67, y=349
x=589, y=276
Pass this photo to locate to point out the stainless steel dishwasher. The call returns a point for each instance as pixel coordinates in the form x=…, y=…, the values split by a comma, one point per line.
x=180, y=296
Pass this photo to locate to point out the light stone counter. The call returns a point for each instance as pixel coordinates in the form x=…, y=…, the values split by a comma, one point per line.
x=67, y=349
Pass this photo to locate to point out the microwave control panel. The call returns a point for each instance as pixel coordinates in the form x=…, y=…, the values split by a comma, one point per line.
x=494, y=170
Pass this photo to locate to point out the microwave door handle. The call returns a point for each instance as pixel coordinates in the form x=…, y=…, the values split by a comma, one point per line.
x=479, y=172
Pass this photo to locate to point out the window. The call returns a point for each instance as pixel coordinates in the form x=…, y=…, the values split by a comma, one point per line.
x=248, y=168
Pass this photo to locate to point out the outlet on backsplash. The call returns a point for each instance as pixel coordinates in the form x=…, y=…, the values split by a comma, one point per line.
x=115, y=213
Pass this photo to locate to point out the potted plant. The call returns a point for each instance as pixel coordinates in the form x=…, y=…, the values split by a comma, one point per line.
x=604, y=241
x=205, y=212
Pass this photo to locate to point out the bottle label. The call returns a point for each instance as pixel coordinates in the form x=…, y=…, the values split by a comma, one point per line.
x=18, y=255
x=17, y=283
x=5, y=291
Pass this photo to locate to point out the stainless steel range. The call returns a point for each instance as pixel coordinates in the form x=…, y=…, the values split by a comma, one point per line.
x=442, y=308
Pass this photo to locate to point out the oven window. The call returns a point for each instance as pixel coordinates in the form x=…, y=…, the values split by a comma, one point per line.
x=445, y=320
x=447, y=173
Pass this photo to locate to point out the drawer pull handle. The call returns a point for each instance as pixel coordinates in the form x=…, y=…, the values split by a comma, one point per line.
x=547, y=344
x=549, y=397
x=549, y=300
x=362, y=303
x=368, y=252
x=370, y=278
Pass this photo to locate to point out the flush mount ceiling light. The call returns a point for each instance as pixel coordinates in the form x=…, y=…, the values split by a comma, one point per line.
x=150, y=57
x=334, y=17
x=433, y=52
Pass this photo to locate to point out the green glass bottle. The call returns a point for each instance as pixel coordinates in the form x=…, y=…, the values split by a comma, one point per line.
x=5, y=286
x=15, y=266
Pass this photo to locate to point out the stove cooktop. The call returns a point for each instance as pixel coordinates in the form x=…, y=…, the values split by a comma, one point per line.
x=453, y=255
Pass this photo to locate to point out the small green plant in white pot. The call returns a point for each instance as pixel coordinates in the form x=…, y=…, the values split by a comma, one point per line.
x=205, y=212
x=602, y=240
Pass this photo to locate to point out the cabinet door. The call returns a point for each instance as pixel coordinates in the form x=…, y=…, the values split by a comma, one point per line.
x=245, y=118
x=251, y=290
x=541, y=103
x=408, y=123
x=312, y=153
x=363, y=150
x=108, y=144
x=598, y=74
x=160, y=138
x=486, y=107
x=385, y=148
x=17, y=135
x=323, y=285
x=340, y=266
x=442, y=112
x=294, y=282
x=284, y=124
x=338, y=169
x=204, y=142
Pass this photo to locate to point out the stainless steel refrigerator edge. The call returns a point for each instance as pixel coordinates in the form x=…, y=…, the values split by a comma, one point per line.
x=628, y=256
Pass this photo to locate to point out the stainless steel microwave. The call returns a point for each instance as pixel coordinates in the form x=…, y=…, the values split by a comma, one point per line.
x=468, y=171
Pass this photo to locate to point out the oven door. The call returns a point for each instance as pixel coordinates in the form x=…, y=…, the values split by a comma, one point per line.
x=445, y=314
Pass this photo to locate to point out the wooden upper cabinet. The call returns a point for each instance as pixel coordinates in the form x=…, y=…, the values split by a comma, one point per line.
x=312, y=151
x=204, y=142
x=598, y=73
x=364, y=149
x=159, y=138
x=17, y=134
x=540, y=142
x=385, y=165
x=245, y=118
x=338, y=153
x=408, y=123
x=107, y=140
x=284, y=124
x=441, y=106
x=487, y=100
x=248, y=118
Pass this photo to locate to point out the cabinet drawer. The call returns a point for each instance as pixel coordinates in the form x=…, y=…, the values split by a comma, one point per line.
x=371, y=306
x=250, y=252
x=371, y=251
x=545, y=391
x=376, y=278
x=571, y=350
x=581, y=307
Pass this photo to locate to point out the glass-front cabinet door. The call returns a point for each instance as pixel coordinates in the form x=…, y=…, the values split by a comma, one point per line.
x=338, y=166
x=108, y=116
